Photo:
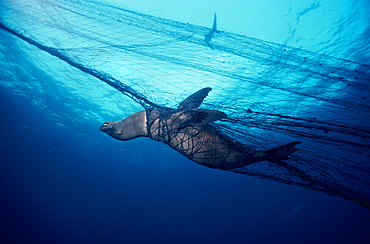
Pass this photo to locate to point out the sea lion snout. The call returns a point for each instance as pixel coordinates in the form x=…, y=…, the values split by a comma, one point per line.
x=106, y=127
x=129, y=128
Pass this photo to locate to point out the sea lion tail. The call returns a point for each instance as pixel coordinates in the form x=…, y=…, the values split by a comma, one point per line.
x=278, y=153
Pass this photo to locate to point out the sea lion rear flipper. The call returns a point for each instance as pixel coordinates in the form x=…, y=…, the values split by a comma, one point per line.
x=194, y=100
x=276, y=154
x=196, y=117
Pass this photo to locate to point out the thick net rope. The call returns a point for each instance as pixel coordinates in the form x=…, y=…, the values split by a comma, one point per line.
x=272, y=94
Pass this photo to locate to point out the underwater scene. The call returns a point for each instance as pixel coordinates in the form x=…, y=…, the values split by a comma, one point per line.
x=248, y=121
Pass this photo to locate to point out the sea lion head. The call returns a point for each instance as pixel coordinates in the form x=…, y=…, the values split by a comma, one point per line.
x=129, y=128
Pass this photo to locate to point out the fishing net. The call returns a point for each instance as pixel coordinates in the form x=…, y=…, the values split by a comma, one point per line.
x=272, y=94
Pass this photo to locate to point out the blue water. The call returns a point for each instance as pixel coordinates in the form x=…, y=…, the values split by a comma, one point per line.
x=64, y=181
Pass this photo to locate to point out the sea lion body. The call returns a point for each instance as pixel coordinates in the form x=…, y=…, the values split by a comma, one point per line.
x=187, y=130
x=203, y=144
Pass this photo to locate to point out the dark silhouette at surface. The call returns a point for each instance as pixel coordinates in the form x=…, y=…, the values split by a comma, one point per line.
x=208, y=37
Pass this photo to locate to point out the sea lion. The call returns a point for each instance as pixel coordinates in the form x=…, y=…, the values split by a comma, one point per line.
x=187, y=129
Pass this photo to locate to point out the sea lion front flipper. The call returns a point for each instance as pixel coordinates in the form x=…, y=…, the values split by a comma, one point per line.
x=196, y=117
x=194, y=100
x=206, y=116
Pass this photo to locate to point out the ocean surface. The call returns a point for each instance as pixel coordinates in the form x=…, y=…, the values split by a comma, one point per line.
x=64, y=181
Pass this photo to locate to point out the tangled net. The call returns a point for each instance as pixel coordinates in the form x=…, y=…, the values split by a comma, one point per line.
x=272, y=94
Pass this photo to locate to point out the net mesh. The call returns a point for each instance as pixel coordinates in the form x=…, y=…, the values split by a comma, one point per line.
x=272, y=94
x=202, y=143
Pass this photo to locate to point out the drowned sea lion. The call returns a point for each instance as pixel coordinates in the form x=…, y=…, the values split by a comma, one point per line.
x=187, y=130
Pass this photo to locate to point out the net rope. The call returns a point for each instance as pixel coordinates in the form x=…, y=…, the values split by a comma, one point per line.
x=272, y=94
